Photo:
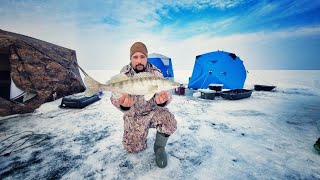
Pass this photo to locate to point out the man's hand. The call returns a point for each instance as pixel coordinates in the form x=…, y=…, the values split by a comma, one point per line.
x=126, y=100
x=162, y=97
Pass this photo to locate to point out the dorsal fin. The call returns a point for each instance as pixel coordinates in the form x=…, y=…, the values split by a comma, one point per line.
x=142, y=75
x=118, y=78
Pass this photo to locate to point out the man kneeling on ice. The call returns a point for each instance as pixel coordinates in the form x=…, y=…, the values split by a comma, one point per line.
x=140, y=113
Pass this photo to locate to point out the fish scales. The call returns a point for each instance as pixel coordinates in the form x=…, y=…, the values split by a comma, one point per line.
x=141, y=85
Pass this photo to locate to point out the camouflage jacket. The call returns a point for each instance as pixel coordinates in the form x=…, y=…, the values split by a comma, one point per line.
x=141, y=106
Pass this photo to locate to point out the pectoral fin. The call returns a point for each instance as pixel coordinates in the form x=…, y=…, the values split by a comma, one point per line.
x=148, y=96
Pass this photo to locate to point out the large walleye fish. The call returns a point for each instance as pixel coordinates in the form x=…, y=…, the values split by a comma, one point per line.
x=143, y=83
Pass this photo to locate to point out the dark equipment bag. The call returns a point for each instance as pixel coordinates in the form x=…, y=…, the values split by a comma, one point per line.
x=78, y=101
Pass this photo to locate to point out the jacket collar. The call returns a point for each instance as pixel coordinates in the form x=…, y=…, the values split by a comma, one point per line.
x=129, y=69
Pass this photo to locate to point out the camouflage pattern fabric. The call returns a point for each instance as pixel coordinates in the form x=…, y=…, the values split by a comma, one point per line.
x=144, y=114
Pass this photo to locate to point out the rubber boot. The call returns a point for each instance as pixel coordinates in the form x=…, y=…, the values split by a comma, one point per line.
x=159, y=149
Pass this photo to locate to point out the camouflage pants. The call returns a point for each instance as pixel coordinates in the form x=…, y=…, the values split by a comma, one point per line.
x=136, y=128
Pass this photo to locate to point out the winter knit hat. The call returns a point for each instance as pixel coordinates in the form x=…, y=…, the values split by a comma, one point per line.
x=138, y=47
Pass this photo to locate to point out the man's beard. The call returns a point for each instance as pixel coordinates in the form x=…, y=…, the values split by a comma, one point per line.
x=139, y=70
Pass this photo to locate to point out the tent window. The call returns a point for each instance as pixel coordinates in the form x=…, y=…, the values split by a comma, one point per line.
x=5, y=80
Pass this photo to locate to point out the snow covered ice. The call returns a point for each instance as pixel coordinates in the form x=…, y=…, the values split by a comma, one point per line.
x=267, y=136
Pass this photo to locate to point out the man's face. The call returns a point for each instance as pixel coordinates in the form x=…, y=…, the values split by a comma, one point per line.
x=139, y=61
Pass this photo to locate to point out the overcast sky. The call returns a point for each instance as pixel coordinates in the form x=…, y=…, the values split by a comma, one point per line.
x=281, y=34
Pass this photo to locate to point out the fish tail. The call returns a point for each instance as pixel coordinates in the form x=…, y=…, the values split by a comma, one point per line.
x=92, y=86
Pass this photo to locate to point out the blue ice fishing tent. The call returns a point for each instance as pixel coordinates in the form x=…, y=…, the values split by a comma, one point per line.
x=163, y=63
x=218, y=67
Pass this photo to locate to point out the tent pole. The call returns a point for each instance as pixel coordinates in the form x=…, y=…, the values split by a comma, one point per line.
x=81, y=69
